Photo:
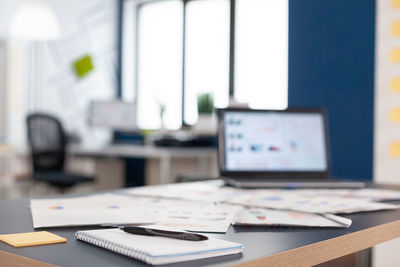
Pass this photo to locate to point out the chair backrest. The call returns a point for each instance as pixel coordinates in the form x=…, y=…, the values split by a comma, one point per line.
x=47, y=141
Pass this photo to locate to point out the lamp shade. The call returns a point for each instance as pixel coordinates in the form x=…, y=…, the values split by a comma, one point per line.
x=34, y=20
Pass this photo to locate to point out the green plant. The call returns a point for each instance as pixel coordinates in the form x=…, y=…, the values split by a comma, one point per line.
x=205, y=103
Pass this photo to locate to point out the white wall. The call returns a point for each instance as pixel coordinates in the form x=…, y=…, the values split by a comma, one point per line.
x=2, y=91
x=386, y=166
x=88, y=27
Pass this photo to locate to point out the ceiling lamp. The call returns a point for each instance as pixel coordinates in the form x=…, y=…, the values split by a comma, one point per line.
x=34, y=20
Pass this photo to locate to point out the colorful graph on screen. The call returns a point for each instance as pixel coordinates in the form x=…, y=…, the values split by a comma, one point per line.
x=263, y=141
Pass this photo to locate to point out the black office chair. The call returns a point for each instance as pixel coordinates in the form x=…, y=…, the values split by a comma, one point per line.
x=47, y=141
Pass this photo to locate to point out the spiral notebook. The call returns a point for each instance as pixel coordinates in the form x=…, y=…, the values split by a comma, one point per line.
x=157, y=250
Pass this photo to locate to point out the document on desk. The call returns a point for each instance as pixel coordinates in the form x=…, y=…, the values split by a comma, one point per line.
x=214, y=191
x=189, y=215
x=372, y=194
x=122, y=209
x=297, y=201
x=205, y=191
x=268, y=217
x=90, y=210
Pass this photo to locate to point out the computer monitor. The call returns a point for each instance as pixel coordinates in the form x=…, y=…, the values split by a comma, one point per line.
x=273, y=142
x=114, y=115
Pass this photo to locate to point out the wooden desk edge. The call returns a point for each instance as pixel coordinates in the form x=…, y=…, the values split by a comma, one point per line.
x=10, y=259
x=304, y=256
x=330, y=249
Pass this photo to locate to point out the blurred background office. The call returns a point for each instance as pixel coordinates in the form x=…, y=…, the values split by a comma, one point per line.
x=128, y=87
x=137, y=72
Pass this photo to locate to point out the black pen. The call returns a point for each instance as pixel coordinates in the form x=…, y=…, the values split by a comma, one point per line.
x=156, y=232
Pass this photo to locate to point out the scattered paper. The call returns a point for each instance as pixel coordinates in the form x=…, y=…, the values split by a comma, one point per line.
x=297, y=200
x=377, y=194
x=115, y=209
x=210, y=207
x=270, y=217
x=193, y=216
x=92, y=210
x=211, y=191
x=372, y=194
x=368, y=206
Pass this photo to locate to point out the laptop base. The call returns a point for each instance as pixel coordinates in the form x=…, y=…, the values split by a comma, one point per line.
x=262, y=183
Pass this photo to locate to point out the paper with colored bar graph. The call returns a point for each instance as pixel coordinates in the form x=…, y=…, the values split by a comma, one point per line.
x=211, y=207
x=268, y=217
x=211, y=191
x=122, y=209
x=192, y=216
x=91, y=210
x=305, y=201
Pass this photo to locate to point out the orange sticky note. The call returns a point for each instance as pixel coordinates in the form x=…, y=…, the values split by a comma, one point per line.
x=395, y=3
x=395, y=85
x=395, y=149
x=395, y=55
x=395, y=115
x=396, y=28
x=32, y=239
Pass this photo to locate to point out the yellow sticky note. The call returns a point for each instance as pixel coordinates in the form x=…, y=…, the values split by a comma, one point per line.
x=395, y=149
x=395, y=55
x=32, y=239
x=395, y=85
x=396, y=28
x=395, y=115
x=395, y=3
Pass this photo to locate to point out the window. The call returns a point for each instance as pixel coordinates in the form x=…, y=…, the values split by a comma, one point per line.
x=160, y=64
x=185, y=48
x=261, y=53
x=207, y=54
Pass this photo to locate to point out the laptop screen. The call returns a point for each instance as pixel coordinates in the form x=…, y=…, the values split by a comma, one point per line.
x=273, y=141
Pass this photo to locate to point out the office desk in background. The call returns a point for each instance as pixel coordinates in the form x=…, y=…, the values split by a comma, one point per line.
x=262, y=246
x=159, y=167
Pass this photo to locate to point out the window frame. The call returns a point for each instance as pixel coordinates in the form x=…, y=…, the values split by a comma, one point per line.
x=232, y=53
x=231, y=65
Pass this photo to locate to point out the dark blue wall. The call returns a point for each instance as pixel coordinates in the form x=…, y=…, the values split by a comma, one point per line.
x=331, y=65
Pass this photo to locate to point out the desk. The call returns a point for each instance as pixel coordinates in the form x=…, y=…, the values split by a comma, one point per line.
x=263, y=246
x=205, y=157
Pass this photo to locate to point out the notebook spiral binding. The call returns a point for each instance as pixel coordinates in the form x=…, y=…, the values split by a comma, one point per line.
x=107, y=244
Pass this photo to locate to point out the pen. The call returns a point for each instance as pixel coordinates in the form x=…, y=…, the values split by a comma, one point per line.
x=156, y=232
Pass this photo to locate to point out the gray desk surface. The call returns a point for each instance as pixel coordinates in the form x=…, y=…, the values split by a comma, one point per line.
x=259, y=242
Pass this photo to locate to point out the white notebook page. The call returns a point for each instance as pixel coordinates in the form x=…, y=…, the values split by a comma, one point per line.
x=158, y=250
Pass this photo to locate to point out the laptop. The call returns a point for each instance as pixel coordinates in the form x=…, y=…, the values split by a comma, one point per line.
x=275, y=149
